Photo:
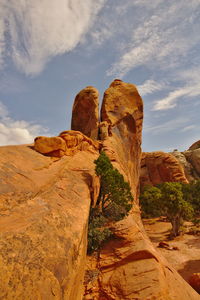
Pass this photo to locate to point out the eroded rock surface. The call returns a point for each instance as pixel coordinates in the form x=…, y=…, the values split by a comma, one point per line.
x=44, y=208
x=68, y=143
x=158, y=167
x=122, y=116
x=85, y=114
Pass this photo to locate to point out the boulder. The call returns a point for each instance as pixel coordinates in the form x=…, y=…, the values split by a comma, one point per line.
x=67, y=143
x=52, y=146
x=85, y=112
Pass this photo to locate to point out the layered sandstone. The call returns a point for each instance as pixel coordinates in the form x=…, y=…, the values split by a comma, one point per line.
x=158, y=167
x=85, y=112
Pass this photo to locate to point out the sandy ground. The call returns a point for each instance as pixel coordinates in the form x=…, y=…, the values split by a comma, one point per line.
x=186, y=260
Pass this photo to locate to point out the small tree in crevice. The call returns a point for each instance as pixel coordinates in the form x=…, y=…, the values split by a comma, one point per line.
x=114, y=202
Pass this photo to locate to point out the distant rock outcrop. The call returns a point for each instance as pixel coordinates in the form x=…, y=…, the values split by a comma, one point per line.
x=190, y=160
x=158, y=167
x=85, y=112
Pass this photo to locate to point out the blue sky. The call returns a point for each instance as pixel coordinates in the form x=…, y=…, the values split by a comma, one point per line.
x=50, y=50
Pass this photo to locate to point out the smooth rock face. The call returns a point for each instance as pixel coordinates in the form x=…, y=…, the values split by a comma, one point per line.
x=159, y=167
x=44, y=206
x=121, y=128
x=130, y=268
x=85, y=114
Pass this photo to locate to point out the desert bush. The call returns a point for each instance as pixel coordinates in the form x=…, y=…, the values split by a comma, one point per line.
x=114, y=202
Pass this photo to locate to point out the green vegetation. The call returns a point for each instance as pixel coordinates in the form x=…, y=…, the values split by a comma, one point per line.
x=114, y=202
x=175, y=200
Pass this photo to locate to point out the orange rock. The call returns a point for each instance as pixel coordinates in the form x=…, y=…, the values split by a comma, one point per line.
x=50, y=145
x=85, y=113
x=158, y=167
x=44, y=209
x=122, y=116
x=194, y=281
x=68, y=143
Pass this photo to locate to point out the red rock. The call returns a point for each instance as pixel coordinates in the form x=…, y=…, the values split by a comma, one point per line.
x=158, y=167
x=194, y=281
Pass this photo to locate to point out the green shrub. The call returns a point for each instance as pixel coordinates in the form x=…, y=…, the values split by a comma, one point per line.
x=114, y=202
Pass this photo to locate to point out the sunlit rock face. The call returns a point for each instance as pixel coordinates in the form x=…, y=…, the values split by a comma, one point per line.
x=158, y=167
x=122, y=116
x=44, y=213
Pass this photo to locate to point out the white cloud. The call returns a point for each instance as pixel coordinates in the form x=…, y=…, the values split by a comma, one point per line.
x=170, y=125
x=163, y=38
x=16, y=132
x=150, y=86
x=187, y=128
x=190, y=89
x=41, y=29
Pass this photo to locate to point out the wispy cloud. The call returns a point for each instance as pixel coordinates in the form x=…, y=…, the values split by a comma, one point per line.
x=150, y=86
x=174, y=124
x=163, y=38
x=17, y=131
x=190, y=88
x=41, y=29
x=188, y=128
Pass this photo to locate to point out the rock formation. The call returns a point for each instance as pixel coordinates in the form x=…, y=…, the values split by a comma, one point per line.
x=122, y=116
x=158, y=167
x=190, y=160
x=85, y=112
x=44, y=213
x=68, y=143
